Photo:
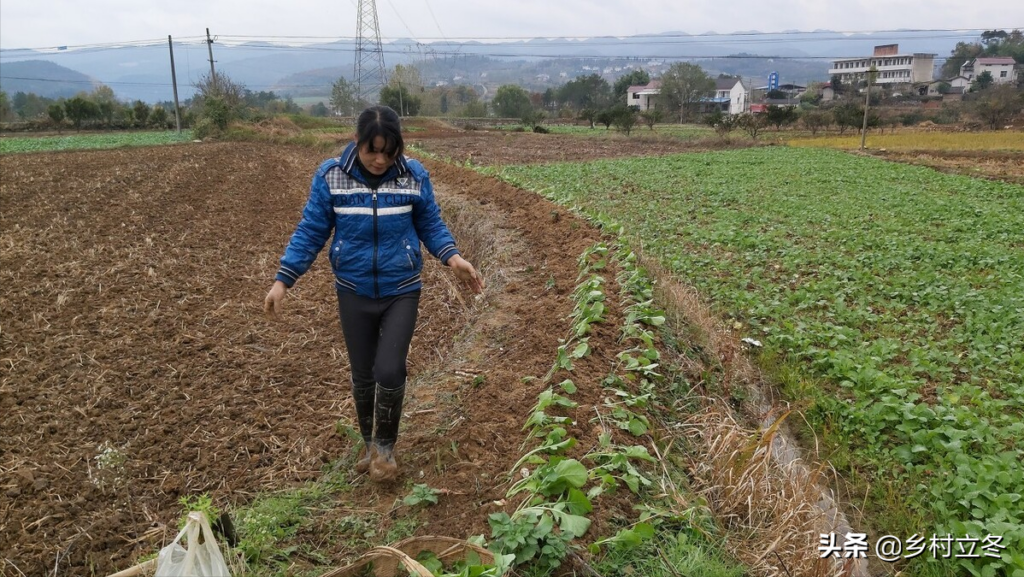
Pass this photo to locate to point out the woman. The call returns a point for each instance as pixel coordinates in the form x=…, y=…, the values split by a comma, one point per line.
x=380, y=206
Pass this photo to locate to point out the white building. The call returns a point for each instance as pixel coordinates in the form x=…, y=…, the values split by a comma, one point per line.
x=733, y=92
x=1002, y=68
x=642, y=96
x=730, y=95
x=892, y=67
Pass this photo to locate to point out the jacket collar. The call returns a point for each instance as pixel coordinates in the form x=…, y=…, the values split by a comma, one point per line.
x=350, y=165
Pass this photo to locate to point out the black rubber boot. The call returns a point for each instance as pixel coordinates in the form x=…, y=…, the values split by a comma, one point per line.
x=388, y=415
x=364, y=397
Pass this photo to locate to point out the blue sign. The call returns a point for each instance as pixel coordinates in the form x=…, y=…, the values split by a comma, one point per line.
x=773, y=81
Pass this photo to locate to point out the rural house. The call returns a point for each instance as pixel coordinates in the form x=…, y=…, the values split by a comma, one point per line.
x=642, y=97
x=731, y=95
x=892, y=67
x=1002, y=68
x=955, y=85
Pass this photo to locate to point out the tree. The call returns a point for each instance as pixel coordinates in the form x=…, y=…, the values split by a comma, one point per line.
x=158, y=117
x=848, y=114
x=107, y=109
x=837, y=84
x=624, y=118
x=80, y=109
x=29, y=106
x=400, y=99
x=221, y=86
x=982, y=81
x=752, y=123
x=775, y=95
x=343, y=97
x=585, y=92
x=141, y=110
x=550, y=99
x=407, y=76
x=713, y=118
x=815, y=120
x=56, y=113
x=588, y=114
x=650, y=117
x=218, y=101
x=6, y=112
x=474, y=109
x=963, y=52
x=779, y=115
x=634, y=78
x=996, y=105
x=405, y=83
x=107, y=102
x=682, y=87
x=511, y=101
x=319, y=110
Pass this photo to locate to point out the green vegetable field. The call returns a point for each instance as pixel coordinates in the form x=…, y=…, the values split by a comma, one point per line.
x=10, y=145
x=890, y=302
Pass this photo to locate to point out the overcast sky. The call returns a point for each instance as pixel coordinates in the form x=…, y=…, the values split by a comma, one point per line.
x=48, y=23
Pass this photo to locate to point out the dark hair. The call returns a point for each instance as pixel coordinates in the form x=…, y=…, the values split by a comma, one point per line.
x=380, y=121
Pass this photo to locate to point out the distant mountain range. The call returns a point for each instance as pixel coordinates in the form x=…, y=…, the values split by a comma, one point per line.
x=43, y=78
x=143, y=72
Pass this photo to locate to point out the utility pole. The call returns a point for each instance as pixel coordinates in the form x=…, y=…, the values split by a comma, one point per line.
x=213, y=74
x=401, y=103
x=872, y=73
x=369, y=60
x=174, y=83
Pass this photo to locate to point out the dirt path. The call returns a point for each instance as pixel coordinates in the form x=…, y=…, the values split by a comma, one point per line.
x=136, y=366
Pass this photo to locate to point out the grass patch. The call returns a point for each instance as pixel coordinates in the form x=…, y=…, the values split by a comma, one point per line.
x=670, y=554
x=21, y=144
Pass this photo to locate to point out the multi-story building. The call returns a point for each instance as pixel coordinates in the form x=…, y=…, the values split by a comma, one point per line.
x=1002, y=68
x=892, y=67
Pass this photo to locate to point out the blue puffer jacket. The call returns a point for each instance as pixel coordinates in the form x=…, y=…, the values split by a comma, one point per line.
x=375, y=251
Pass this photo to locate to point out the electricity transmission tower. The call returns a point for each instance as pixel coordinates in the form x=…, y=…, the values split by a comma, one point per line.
x=369, y=65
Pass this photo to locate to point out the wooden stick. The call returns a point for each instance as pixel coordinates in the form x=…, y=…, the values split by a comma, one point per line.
x=136, y=570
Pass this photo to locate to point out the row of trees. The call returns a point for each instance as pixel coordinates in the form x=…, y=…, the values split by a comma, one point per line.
x=219, y=97
x=592, y=98
x=405, y=93
x=100, y=106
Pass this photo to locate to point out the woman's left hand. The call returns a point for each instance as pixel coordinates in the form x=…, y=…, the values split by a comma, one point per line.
x=467, y=274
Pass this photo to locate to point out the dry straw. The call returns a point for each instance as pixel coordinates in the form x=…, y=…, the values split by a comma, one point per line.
x=748, y=468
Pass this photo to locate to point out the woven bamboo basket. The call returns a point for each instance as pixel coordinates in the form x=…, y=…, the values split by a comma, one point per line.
x=400, y=558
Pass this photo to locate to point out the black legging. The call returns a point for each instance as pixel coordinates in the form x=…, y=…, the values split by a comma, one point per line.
x=377, y=336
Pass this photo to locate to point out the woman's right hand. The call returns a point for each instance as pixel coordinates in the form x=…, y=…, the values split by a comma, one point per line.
x=272, y=305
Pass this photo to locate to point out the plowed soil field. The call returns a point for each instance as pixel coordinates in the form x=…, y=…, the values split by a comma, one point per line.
x=136, y=365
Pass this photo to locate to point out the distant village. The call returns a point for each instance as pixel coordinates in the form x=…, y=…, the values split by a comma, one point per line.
x=900, y=74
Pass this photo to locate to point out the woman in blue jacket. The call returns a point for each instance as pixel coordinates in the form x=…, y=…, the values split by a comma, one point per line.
x=380, y=206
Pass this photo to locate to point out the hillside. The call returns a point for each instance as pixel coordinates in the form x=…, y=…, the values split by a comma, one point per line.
x=43, y=78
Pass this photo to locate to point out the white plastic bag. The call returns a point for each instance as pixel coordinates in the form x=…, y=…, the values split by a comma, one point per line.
x=200, y=559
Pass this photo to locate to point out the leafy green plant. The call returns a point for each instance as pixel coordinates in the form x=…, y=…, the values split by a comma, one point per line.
x=202, y=503
x=421, y=494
